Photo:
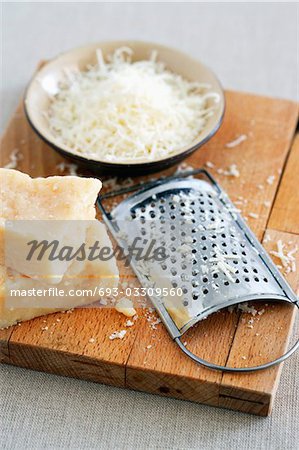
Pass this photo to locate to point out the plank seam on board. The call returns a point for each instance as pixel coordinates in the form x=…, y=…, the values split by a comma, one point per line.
x=289, y=152
x=232, y=397
x=127, y=360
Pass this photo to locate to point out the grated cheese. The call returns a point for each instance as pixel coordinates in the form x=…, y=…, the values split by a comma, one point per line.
x=119, y=110
x=236, y=141
x=288, y=260
x=14, y=158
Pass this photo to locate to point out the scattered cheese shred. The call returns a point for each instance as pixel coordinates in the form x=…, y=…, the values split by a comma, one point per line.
x=120, y=110
x=236, y=141
x=288, y=260
x=14, y=157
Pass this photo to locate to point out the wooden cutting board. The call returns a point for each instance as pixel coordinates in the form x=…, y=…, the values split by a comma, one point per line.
x=146, y=359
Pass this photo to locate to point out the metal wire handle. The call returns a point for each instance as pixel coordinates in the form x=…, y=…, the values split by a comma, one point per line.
x=213, y=366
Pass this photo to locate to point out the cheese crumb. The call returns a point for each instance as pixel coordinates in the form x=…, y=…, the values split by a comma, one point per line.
x=270, y=179
x=125, y=306
x=210, y=165
x=117, y=335
x=253, y=215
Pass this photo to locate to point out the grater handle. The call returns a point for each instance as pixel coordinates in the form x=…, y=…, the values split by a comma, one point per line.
x=213, y=366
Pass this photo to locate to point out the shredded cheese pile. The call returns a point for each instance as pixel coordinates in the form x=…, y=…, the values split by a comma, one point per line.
x=124, y=111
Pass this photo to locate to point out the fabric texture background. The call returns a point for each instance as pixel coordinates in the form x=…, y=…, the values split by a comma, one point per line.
x=251, y=48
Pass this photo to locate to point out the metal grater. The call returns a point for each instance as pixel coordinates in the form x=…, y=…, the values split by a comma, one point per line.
x=213, y=258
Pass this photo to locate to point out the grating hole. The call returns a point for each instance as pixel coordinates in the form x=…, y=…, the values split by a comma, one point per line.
x=172, y=227
x=162, y=200
x=215, y=275
x=226, y=283
x=194, y=251
x=152, y=214
x=224, y=244
x=173, y=259
x=185, y=303
x=256, y=279
x=266, y=280
x=205, y=291
x=246, y=279
x=223, y=235
x=245, y=270
x=164, y=267
x=204, y=258
x=255, y=270
x=203, y=238
x=204, y=248
x=174, y=284
x=205, y=279
x=237, y=280
x=172, y=207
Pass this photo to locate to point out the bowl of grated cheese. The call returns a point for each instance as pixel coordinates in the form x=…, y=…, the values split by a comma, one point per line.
x=125, y=107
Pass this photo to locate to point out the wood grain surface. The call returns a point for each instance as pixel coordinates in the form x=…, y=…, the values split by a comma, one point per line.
x=146, y=359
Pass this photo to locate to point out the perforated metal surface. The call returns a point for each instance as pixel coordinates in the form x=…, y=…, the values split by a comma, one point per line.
x=213, y=258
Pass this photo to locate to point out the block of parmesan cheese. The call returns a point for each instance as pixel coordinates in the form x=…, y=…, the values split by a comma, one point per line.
x=69, y=202
x=23, y=198
x=67, y=198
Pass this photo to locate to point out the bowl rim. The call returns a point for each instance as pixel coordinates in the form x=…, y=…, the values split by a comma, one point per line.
x=183, y=152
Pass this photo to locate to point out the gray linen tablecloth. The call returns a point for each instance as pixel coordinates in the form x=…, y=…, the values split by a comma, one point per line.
x=252, y=47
